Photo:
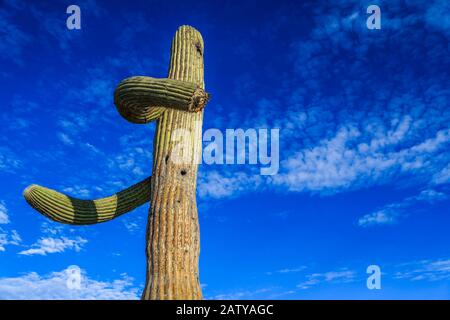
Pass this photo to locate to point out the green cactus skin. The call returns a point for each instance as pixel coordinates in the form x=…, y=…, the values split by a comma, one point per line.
x=65, y=209
x=143, y=99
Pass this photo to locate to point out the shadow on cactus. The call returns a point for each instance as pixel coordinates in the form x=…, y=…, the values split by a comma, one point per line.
x=176, y=103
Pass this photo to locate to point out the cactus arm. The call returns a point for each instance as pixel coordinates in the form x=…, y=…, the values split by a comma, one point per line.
x=144, y=99
x=65, y=209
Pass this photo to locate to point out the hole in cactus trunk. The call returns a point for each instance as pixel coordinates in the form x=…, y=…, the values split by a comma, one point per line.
x=198, y=46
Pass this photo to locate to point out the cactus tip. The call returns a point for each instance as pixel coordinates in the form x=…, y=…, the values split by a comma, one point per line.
x=28, y=190
x=199, y=100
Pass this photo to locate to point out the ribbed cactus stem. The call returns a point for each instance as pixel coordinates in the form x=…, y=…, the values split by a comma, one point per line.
x=65, y=209
x=139, y=99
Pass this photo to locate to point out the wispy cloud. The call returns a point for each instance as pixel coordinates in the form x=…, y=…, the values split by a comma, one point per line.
x=427, y=270
x=4, y=218
x=437, y=16
x=215, y=184
x=77, y=191
x=9, y=161
x=350, y=140
x=345, y=126
x=65, y=139
x=287, y=270
x=50, y=245
x=340, y=276
x=135, y=223
x=13, y=39
x=7, y=237
x=53, y=286
x=352, y=159
x=51, y=228
x=442, y=177
x=391, y=213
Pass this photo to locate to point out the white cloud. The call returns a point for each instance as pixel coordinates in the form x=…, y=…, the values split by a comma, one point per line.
x=291, y=270
x=355, y=158
x=131, y=226
x=287, y=270
x=53, y=286
x=430, y=196
x=52, y=228
x=4, y=219
x=341, y=276
x=9, y=238
x=64, y=138
x=132, y=160
x=15, y=237
x=437, y=16
x=376, y=218
x=3, y=241
x=135, y=223
x=48, y=245
x=91, y=147
x=390, y=213
x=429, y=270
x=354, y=134
x=73, y=123
x=214, y=184
x=9, y=160
x=77, y=191
x=14, y=40
x=442, y=176
x=351, y=159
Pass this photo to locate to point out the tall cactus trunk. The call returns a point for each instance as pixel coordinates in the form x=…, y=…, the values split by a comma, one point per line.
x=173, y=230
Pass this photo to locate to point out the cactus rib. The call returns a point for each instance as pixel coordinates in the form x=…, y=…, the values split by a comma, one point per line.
x=143, y=99
x=65, y=209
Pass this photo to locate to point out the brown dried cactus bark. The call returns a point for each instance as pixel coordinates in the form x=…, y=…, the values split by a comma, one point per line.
x=173, y=230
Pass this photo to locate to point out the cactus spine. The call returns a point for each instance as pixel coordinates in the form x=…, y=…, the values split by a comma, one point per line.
x=173, y=238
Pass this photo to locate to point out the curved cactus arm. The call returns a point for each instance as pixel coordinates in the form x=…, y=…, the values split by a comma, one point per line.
x=65, y=209
x=144, y=99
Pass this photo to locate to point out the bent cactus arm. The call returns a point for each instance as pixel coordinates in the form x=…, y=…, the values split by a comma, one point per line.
x=143, y=99
x=65, y=209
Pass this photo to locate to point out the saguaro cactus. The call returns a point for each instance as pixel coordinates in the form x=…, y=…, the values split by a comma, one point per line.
x=172, y=230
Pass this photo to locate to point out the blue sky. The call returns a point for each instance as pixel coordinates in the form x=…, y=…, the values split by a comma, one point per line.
x=363, y=115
